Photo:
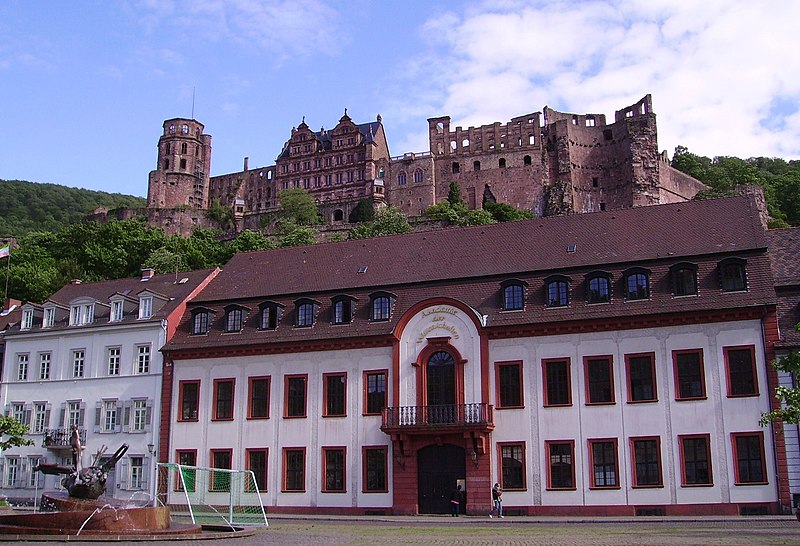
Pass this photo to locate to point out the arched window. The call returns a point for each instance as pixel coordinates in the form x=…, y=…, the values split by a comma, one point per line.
x=270, y=314
x=200, y=322
x=476, y=165
x=598, y=288
x=401, y=178
x=637, y=284
x=513, y=296
x=501, y=163
x=338, y=215
x=419, y=176
x=456, y=167
x=306, y=309
x=684, y=279
x=342, y=310
x=526, y=160
x=733, y=275
x=557, y=292
x=381, y=306
x=234, y=318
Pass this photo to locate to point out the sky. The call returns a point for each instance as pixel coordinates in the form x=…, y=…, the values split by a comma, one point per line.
x=85, y=85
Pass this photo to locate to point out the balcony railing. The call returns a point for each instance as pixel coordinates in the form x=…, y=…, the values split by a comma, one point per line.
x=477, y=415
x=57, y=438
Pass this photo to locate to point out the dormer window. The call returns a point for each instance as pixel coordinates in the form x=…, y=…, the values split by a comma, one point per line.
x=557, y=291
x=145, y=307
x=234, y=318
x=637, y=284
x=270, y=316
x=49, y=317
x=684, y=279
x=116, y=311
x=513, y=295
x=306, y=310
x=342, y=310
x=81, y=314
x=27, y=319
x=200, y=322
x=733, y=275
x=598, y=288
x=381, y=308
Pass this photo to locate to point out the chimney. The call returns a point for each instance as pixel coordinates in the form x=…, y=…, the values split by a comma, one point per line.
x=75, y=281
x=147, y=273
x=11, y=303
x=246, y=161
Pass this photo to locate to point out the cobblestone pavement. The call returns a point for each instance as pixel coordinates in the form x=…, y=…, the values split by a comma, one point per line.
x=469, y=531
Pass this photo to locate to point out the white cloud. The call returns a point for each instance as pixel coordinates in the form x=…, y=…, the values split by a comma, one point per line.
x=715, y=69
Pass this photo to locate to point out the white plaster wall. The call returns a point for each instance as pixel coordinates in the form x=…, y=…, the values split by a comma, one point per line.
x=792, y=441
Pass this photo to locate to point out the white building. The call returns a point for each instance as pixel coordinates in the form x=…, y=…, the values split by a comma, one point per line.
x=89, y=357
x=605, y=363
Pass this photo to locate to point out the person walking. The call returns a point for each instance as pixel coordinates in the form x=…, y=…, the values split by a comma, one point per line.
x=455, y=502
x=497, y=501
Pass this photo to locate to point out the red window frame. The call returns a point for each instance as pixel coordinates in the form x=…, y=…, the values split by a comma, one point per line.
x=682, y=450
x=634, y=475
x=324, y=465
x=676, y=375
x=325, y=377
x=286, y=380
x=178, y=453
x=754, y=372
x=249, y=487
x=285, y=452
x=212, y=483
x=736, y=471
x=215, y=406
x=629, y=376
x=591, y=444
x=545, y=391
x=365, y=470
x=498, y=390
x=181, y=386
x=366, y=375
x=250, y=381
x=548, y=446
x=587, y=364
x=504, y=485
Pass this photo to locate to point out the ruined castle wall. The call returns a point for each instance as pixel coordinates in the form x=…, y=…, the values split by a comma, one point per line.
x=675, y=186
x=410, y=183
x=255, y=186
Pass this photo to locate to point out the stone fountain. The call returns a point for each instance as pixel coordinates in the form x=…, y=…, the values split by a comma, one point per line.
x=83, y=510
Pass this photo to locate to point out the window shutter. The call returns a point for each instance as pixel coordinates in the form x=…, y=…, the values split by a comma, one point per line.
x=8, y=410
x=126, y=417
x=145, y=473
x=22, y=477
x=2, y=475
x=118, y=424
x=26, y=416
x=148, y=415
x=123, y=475
x=62, y=415
x=47, y=416
x=82, y=416
x=98, y=416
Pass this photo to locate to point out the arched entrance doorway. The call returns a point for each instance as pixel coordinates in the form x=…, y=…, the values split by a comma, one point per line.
x=439, y=469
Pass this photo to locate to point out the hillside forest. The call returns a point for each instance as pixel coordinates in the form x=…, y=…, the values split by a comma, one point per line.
x=54, y=246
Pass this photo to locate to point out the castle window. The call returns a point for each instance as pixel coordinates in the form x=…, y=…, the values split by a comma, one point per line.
x=598, y=288
x=502, y=163
x=171, y=128
x=401, y=178
x=526, y=160
x=590, y=122
x=456, y=167
x=684, y=279
x=476, y=166
x=637, y=284
x=419, y=176
x=168, y=148
x=338, y=215
x=513, y=296
x=602, y=207
x=733, y=277
x=381, y=306
x=574, y=120
x=608, y=134
x=595, y=182
x=557, y=291
x=185, y=129
x=166, y=164
x=183, y=164
x=183, y=147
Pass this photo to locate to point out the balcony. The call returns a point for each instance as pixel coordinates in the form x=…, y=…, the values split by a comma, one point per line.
x=58, y=438
x=448, y=417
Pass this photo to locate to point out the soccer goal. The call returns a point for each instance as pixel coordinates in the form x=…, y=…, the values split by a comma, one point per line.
x=210, y=496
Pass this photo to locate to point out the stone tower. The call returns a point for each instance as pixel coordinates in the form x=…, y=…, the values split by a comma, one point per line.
x=184, y=161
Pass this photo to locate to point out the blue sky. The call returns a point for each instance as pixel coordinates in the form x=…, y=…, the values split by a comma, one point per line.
x=85, y=85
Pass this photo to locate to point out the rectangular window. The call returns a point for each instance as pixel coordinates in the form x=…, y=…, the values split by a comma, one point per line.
x=295, y=388
x=113, y=360
x=748, y=452
x=294, y=469
x=695, y=450
x=49, y=317
x=604, y=465
x=557, y=382
x=141, y=416
x=373, y=469
x=334, y=470
x=12, y=471
x=143, y=359
x=44, y=366
x=508, y=376
x=74, y=414
x=188, y=476
x=374, y=392
x=110, y=416
x=690, y=383
x=258, y=397
x=18, y=412
x=269, y=317
x=189, y=400
x=740, y=363
x=646, y=455
x=512, y=465
x=560, y=464
x=22, y=367
x=137, y=473
x=257, y=463
x=116, y=311
x=78, y=360
x=641, y=370
x=223, y=399
x=41, y=418
x=335, y=394
x=220, y=481
x=145, y=308
x=599, y=380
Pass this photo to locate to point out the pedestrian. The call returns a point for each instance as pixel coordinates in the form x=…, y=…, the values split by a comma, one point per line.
x=455, y=501
x=497, y=501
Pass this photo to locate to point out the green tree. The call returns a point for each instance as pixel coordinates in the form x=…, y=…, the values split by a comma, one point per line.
x=298, y=207
x=12, y=433
x=364, y=211
x=458, y=214
x=454, y=195
x=221, y=214
x=291, y=234
x=788, y=396
x=249, y=240
x=164, y=260
x=502, y=212
x=388, y=221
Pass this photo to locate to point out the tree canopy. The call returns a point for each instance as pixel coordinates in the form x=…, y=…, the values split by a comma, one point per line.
x=789, y=397
x=12, y=433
